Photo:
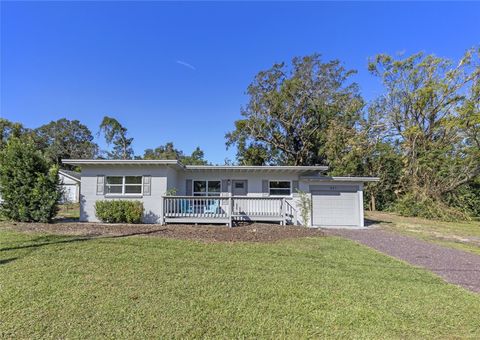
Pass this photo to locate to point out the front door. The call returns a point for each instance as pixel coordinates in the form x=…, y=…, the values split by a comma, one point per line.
x=239, y=187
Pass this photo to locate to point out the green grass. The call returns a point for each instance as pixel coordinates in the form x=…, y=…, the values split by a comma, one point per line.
x=460, y=235
x=66, y=287
x=69, y=211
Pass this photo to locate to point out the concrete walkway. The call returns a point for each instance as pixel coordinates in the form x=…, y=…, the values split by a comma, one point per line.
x=455, y=266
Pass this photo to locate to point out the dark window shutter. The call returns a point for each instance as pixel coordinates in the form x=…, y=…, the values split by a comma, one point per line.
x=246, y=186
x=188, y=188
x=100, y=185
x=265, y=188
x=294, y=187
x=224, y=185
x=147, y=185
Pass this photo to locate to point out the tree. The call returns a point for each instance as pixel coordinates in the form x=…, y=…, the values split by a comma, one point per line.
x=10, y=129
x=361, y=151
x=430, y=109
x=290, y=109
x=65, y=139
x=196, y=158
x=116, y=134
x=28, y=186
x=168, y=151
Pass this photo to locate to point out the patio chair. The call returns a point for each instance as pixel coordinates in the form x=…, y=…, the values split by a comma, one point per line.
x=213, y=207
x=186, y=207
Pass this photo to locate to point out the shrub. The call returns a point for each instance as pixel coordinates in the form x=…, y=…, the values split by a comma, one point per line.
x=426, y=207
x=29, y=187
x=305, y=207
x=119, y=211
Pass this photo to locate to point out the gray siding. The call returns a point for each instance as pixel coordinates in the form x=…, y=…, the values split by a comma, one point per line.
x=151, y=203
x=163, y=178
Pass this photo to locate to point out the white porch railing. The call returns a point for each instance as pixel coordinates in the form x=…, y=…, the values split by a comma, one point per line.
x=226, y=209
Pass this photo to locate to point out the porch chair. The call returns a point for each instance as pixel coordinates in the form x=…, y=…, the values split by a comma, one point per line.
x=185, y=207
x=213, y=207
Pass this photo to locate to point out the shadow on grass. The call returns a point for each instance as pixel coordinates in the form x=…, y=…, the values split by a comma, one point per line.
x=5, y=261
x=73, y=240
x=369, y=222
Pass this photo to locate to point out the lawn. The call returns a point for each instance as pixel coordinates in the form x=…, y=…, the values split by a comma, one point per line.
x=460, y=235
x=69, y=211
x=75, y=287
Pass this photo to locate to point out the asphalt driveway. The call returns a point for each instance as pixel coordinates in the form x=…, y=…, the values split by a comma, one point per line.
x=455, y=266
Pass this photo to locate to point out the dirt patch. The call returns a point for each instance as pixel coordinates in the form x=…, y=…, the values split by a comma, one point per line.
x=257, y=232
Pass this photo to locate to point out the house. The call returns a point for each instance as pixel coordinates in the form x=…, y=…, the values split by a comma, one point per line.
x=172, y=192
x=70, y=185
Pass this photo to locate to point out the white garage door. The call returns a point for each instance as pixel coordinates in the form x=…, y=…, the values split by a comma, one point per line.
x=335, y=205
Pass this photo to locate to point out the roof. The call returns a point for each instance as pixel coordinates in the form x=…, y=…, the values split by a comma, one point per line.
x=71, y=174
x=256, y=168
x=81, y=162
x=176, y=163
x=339, y=179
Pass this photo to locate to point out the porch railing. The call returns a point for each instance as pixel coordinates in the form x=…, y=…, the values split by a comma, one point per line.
x=257, y=206
x=188, y=206
x=226, y=209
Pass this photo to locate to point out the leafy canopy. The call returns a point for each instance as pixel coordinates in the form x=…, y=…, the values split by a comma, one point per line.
x=431, y=109
x=116, y=134
x=28, y=186
x=289, y=110
x=65, y=139
x=10, y=129
x=168, y=151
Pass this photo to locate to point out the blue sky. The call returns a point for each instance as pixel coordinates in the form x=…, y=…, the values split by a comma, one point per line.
x=178, y=71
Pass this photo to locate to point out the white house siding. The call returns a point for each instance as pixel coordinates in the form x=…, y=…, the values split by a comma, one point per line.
x=167, y=177
x=151, y=203
x=255, y=182
x=254, y=179
x=70, y=189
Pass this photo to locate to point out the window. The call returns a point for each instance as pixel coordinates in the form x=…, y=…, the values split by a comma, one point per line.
x=124, y=185
x=280, y=188
x=206, y=188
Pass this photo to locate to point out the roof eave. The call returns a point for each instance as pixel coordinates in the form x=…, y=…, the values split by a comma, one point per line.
x=69, y=176
x=104, y=162
x=339, y=179
x=126, y=162
x=254, y=168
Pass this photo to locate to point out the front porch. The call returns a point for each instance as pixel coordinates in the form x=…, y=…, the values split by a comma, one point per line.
x=227, y=209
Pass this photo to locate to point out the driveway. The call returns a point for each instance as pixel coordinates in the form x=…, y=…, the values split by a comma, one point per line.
x=455, y=266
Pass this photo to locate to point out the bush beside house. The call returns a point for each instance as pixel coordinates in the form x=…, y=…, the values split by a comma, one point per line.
x=28, y=185
x=116, y=211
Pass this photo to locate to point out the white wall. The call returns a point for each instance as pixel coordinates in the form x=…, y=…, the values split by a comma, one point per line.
x=151, y=204
x=254, y=179
x=70, y=189
x=305, y=187
x=164, y=178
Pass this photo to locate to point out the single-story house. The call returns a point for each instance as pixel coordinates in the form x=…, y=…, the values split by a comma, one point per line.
x=70, y=185
x=172, y=192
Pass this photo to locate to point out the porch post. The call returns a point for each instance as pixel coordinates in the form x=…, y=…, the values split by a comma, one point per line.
x=229, y=211
x=162, y=210
x=284, y=211
x=295, y=216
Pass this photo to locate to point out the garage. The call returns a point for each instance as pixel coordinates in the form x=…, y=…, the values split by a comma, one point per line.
x=337, y=205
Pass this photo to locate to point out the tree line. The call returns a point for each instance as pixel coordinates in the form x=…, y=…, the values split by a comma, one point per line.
x=421, y=135
x=65, y=138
